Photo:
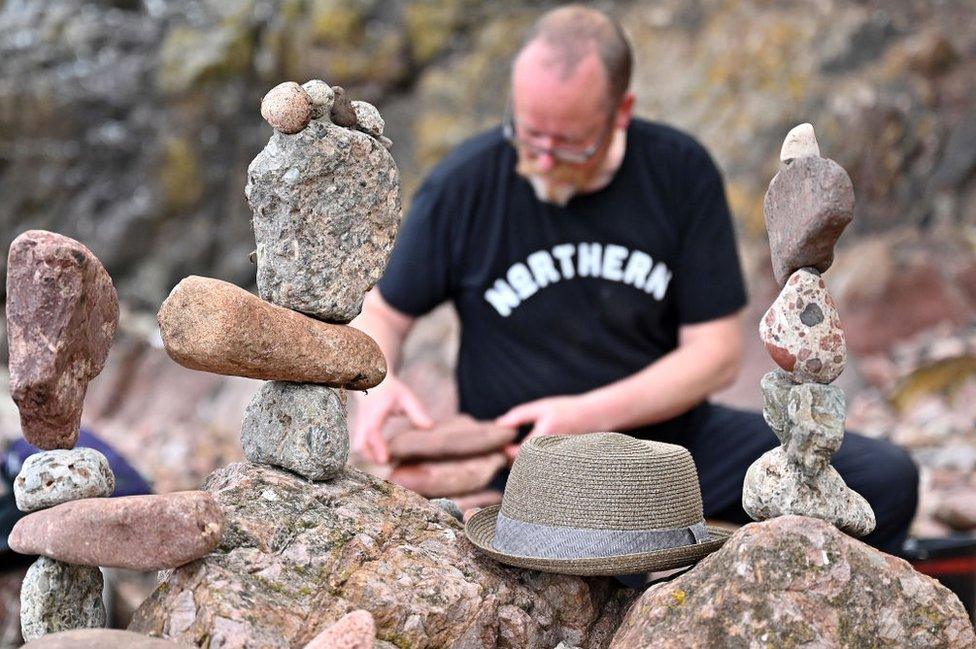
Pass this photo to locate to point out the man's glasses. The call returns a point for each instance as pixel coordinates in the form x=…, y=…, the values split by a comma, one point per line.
x=568, y=155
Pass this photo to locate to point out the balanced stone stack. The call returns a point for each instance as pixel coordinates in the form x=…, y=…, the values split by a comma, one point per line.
x=62, y=313
x=807, y=206
x=325, y=197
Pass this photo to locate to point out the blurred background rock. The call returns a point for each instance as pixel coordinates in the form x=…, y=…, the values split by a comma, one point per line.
x=128, y=124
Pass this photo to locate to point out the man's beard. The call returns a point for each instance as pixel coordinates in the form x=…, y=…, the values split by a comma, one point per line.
x=556, y=186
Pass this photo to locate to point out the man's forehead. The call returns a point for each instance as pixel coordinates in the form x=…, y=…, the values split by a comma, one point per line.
x=545, y=88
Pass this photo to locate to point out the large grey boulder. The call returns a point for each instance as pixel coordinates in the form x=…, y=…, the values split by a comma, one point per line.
x=297, y=556
x=796, y=582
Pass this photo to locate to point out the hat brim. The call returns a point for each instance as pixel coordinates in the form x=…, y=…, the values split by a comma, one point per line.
x=480, y=530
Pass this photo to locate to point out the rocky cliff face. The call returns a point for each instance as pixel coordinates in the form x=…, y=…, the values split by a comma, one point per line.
x=129, y=124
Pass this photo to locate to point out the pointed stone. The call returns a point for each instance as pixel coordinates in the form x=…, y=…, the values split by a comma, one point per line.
x=807, y=206
x=57, y=596
x=802, y=331
x=62, y=312
x=776, y=386
x=343, y=114
x=287, y=108
x=54, y=477
x=800, y=142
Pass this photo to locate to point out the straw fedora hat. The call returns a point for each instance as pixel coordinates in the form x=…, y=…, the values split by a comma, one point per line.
x=597, y=504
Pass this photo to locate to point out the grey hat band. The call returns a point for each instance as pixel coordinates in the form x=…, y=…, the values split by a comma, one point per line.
x=557, y=542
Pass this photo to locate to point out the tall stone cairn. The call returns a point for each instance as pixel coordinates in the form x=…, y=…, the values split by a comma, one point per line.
x=62, y=313
x=325, y=197
x=807, y=206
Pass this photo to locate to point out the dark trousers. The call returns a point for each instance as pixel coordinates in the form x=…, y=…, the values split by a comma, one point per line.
x=724, y=442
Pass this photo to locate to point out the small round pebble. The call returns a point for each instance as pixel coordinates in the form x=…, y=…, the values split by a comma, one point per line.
x=368, y=118
x=287, y=107
x=322, y=97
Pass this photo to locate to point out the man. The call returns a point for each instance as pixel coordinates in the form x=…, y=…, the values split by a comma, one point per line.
x=592, y=262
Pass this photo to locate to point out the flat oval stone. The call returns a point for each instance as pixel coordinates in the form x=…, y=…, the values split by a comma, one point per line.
x=136, y=532
x=57, y=596
x=54, y=477
x=297, y=426
x=802, y=331
x=807, y=206
x=213, y=326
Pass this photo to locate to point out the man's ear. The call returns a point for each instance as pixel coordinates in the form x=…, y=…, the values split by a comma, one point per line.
x=625, y=110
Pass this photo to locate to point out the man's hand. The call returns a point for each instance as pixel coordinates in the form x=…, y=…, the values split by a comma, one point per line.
x=549, y=416
x=391, y=397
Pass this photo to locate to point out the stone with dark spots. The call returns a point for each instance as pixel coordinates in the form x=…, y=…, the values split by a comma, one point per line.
x=213, y=326
x=343, y=113
x=53, y=477
x=136, y=532
x=802, y=331
x=57, y=596
x=62, y=312
x=807, y=206
x=791, y=582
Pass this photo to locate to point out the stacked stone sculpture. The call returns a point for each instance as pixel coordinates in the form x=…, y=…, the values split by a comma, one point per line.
x=807, y=206
x=325, y=197
x=62, y=313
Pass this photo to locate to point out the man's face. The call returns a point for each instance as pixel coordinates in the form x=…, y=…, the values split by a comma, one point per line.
x=553, y=114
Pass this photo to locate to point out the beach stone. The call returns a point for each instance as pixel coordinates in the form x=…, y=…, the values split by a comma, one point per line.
x=213, y=326
x=958, y=511
x=57, y=596
x=322, y=96
x=448, y=477
x=297, y=426
x=368, y=118
x=326, y=206
x=807, y=206
x=776, y=387
x=62, y=312
x=102, y=639
x=802, y=331
x=796, y=478
x=796, y=582
x=355, y=630
x=53, y=477
x=459, y=436
x=136, y=532
x=449, y=506
x=287, y=108
x=800, y=142
x=343, y=114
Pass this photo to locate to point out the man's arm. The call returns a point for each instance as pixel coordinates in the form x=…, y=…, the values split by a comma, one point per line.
x=388, y=327
x=706, y=360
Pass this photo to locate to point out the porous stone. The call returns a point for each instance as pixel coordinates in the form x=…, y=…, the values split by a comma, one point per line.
x=50, y=478
x=213, y=326
x=449, y=477
x=62, y=312
x=326, y=207
x=802, y=331
x=355, y=630
x=322, y=96
x=459, y=436
x=792, y=582
x=807, y=206
x=57, y=596
x=297, y=426
x=136, y=532
x=287, y=108
x=800, y=142
x=298, y=555
x=368, y=118
x=343, y=114
x=102, y=639
x=796, y=478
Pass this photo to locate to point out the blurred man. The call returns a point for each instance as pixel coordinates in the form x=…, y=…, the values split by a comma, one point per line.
x=592, y=262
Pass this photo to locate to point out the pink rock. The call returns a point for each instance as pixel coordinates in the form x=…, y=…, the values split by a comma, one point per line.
x=136, y=532
x=450, y=477
x=355, y=630
x=459, y=436
x=958, y=511
x=62, y=312
x=287, y=107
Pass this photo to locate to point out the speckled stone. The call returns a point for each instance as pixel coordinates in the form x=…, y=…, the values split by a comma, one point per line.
x=368, y=118
x=322, y=96
x=287, y=107
x=57, y=596
x=800, y=142
x=50, y=478
x=802, y=331
x=776, y=386
x=299, y=427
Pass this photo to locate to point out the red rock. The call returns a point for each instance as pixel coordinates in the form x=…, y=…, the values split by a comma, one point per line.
x=355, y=630
x=62, y=312
x=210, y=325
x=136, y=532
x=478, y=499
x=450, y=477
x=459, y=436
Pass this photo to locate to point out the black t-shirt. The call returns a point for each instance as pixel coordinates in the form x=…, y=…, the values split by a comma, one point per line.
x=561, y=300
